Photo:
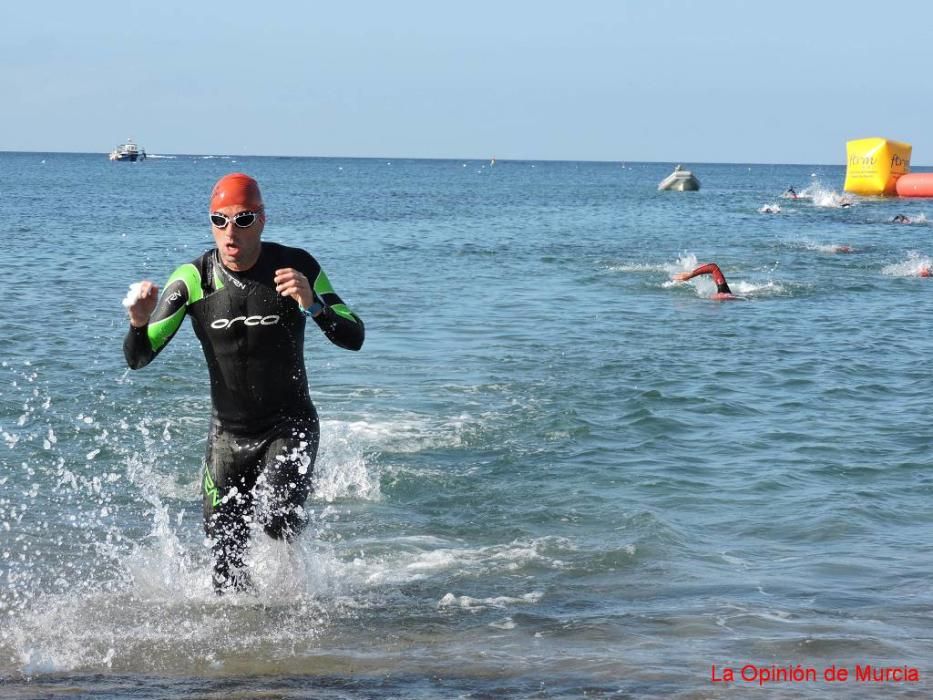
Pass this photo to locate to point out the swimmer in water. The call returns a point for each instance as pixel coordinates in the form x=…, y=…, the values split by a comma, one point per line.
x=901, y=219
x=723, y=293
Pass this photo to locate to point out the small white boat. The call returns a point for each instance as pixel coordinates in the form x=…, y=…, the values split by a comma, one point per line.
x=128, y=151
x=680, y=181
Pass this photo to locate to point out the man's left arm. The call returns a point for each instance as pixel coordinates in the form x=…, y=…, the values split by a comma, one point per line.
x=310, y=288
x=339, y=323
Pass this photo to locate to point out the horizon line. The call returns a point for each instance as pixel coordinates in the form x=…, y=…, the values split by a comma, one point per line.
x=434, y=158
x=440, y=158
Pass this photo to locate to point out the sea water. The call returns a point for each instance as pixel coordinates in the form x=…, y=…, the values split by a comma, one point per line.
x=550, y=472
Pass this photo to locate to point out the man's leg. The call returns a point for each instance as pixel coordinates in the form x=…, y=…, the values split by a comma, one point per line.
x=228, y=503
x=285, y=482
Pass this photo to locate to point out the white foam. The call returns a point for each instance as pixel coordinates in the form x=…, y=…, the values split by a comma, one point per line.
x=685, y=263
x=749, y=289
x=36, y=661
x=917, y=219
x=637, y=267
x=506, y=624
x=407, y=563
x=465, y=602
x=911, y=267
x=823, y=197
x=827, y=247
x=706, y=288
x=770, y=208
x=404, y=432
x=342, y=469
x=132, y=295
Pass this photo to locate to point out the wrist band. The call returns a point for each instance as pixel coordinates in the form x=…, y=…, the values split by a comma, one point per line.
x=312, y=310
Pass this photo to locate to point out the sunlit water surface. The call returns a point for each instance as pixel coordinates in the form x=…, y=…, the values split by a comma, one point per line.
x=550, y=472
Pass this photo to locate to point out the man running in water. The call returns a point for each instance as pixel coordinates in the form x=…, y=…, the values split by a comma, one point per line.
x=248, y=302
x=723, y=293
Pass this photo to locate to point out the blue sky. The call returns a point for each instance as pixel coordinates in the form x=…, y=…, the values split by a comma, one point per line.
x=656, y=80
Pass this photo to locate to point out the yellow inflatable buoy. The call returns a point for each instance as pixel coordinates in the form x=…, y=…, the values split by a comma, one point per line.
x=874, y=165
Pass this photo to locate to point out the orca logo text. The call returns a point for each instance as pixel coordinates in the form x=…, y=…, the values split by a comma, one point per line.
x=270, y=320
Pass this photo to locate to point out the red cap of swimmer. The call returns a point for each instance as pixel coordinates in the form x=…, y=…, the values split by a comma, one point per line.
x=236, y=188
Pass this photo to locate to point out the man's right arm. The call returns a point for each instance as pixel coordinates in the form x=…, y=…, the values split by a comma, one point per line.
x=143, y=342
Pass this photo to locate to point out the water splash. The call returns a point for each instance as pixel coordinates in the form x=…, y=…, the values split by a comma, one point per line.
x=103, y=556
x=916, y=265
x=706, y=288
x=823, y=197
x=831, y=248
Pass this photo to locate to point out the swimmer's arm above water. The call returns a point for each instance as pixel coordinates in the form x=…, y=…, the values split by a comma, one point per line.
x=154, y=321
x=712, y=269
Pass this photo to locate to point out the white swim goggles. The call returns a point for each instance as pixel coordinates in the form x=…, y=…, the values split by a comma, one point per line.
x=243, y=219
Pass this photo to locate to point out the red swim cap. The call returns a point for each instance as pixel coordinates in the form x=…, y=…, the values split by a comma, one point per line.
x=236, y=188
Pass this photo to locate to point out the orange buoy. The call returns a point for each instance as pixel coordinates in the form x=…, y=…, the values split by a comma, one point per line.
x=915, y=185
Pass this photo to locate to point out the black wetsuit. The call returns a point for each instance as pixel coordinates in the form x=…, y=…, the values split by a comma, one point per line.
x=264, y=430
